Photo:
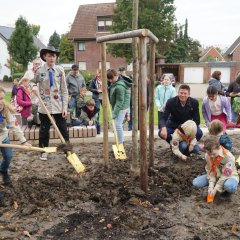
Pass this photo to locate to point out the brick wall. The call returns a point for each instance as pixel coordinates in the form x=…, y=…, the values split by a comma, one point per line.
x=92, y=57
x=236, y=54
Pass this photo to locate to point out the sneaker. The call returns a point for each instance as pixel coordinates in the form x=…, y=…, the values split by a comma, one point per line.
x=44, y=156
x=6, y=178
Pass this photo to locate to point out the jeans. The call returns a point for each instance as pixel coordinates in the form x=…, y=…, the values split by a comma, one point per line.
x=234, y=116
x=183, y=147
x=7, y=154
x=72, y=104
x=98, y=103
x=45, y=127
x=170, y=131
x=230, y=185
x=119, y=125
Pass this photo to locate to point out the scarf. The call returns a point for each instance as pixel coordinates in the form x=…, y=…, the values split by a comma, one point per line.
x=99, y=82
x=184, y=137
x=214, y=163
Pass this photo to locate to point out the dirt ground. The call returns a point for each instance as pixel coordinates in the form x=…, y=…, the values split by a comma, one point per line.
x=48, y=200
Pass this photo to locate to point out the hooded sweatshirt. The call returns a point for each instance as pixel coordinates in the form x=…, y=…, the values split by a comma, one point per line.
x=162, y=94
x=120, y=95
x=187, y=133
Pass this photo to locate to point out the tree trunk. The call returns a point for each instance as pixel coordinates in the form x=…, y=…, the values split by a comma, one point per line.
x=135, y=156
x=104, y=104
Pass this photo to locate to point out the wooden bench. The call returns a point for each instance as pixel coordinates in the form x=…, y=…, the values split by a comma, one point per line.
x=74, y=132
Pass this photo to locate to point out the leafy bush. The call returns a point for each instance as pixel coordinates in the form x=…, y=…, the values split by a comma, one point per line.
x=88, y=76
x=17, y=75
x=5, y=78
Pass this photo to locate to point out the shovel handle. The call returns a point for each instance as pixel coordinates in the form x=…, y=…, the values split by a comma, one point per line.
x=51, y=118
x=113, y=123
x=28, y=148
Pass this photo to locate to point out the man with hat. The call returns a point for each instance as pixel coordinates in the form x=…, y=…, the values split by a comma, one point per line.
x=75, y=82
x=52, y=88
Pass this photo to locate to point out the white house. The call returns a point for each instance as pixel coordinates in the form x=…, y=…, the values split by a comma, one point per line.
x=5, y=34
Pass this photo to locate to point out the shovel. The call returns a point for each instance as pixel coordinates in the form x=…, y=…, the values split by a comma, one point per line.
x=28, y=148
x=71, y=157
x=118, y=149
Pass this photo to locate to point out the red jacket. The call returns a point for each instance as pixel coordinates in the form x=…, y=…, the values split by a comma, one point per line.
x=24, y=100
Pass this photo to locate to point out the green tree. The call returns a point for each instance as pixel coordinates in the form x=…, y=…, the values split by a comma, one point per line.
x=183, y=48
x=21, y=46
x=54, y=40
x=66, y=49
x=155, y=15
x=35, y=29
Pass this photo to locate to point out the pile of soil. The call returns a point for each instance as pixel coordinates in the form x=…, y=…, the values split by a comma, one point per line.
x=48, y=200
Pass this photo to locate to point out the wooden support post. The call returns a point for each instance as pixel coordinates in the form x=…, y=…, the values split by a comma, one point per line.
x=135, y=147
x=104, y=104
x=143, y=114
x=151, y=104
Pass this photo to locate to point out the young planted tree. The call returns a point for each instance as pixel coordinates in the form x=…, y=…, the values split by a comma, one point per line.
x=155, y=15
x=21, y=45
x=66, y=48
x=54, y=40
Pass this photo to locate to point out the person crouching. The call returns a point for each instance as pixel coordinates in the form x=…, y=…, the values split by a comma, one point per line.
x=184, y=140
x=89, y=115
x=222, y=175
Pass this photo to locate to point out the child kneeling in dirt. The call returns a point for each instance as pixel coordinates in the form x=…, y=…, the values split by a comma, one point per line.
x=184, y=140
x=216, y=128
x=221, y=173
x=7, y=120
x=89, y=115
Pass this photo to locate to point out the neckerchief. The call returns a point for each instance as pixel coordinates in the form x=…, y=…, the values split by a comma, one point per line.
x=184, y=137
x=216, y=162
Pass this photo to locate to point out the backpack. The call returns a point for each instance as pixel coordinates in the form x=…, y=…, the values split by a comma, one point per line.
x=226, y=141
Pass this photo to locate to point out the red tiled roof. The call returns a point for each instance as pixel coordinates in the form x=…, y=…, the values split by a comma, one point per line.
x=85, y=22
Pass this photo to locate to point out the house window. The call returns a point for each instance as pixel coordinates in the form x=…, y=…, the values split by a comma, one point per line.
x=107, y=65
x=82, y=65
x=104, y=24
x=81, y=46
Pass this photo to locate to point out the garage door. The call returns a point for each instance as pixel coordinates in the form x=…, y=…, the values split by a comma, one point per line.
x=225, y=78
x=193, y=75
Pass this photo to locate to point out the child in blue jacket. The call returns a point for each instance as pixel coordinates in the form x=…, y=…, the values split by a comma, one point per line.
x=163, y=92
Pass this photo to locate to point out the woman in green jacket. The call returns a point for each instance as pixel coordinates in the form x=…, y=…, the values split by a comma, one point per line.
x=120, y=94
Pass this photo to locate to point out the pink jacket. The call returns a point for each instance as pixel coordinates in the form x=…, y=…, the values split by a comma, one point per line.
x=24, y=100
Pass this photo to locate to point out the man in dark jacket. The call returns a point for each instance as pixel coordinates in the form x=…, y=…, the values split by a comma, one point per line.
x=120, y=94
x=177, y=111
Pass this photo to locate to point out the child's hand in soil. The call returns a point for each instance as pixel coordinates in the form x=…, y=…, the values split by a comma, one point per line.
x=184, y=158
x=212, y=191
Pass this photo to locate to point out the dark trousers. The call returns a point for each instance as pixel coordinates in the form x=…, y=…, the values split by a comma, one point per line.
x=159, y=116
x=170, y=131
x=45, y=127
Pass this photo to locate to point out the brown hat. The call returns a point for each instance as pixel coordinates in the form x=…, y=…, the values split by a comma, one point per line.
x=49, y=49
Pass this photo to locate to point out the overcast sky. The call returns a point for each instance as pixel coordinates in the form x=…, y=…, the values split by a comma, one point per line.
x=212, y=22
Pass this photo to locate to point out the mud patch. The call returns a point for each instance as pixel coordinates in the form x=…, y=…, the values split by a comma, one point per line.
x=49, y=201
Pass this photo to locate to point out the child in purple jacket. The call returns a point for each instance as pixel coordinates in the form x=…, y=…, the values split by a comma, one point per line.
x=216, y=106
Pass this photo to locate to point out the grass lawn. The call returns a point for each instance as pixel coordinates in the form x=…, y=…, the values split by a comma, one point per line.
x=8, y=97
